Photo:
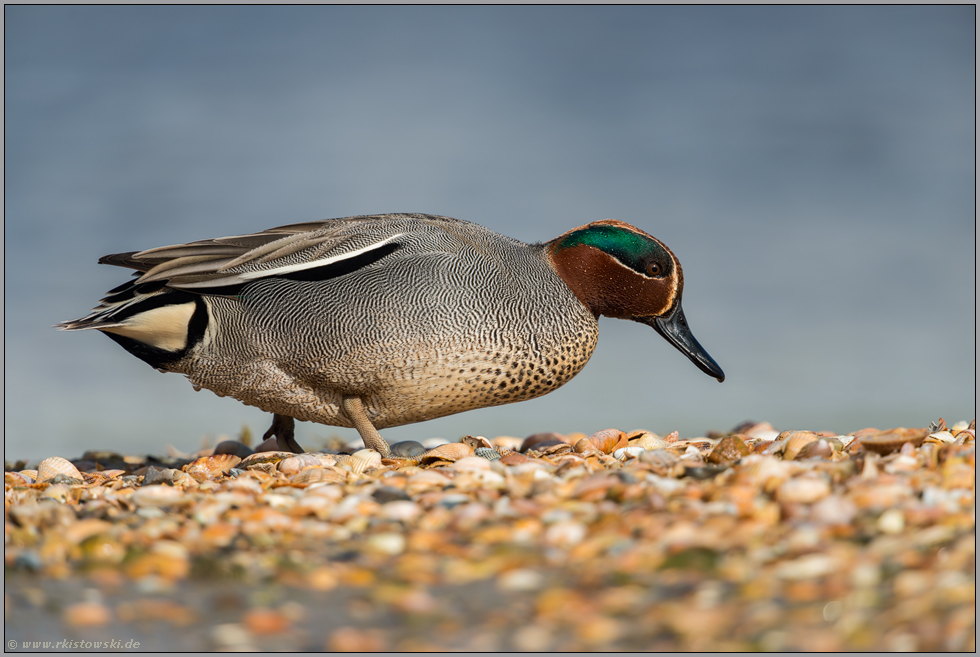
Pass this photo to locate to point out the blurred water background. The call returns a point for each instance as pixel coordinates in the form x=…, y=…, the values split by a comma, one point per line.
x=812, y=167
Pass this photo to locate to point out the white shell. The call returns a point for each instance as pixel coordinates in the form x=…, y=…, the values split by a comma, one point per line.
x=631, y=451
x=365, y=459
x=294, y=464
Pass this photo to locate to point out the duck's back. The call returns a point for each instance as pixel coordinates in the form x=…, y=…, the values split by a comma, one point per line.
x=432, y=316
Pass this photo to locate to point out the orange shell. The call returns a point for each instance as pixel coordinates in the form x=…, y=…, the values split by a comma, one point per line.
x=211, y=467
x=447, y=452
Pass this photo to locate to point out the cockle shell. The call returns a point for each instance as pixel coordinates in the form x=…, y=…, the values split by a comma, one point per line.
x=17, y=479
x=54, y=466
x=294, y=464
x=447, y=452
x=797, y=440
x=470, y=464
x=211, y=467
x=363, y=460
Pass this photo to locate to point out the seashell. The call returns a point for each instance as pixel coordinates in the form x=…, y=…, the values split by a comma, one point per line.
x=30, y=473
x=648, y=441
x=476, y=442
x=298, y=462
x=55, y=465
x=886, y=442
x=314, y=475
x=795, y=441
x=16, y=479
x=512, y=443
x=662, y=462
x=540, y=440
x=628, y=452
x=211, y=467
x=264, y=457
x=728, y=450
x=363, y=460
x=447, y=452
x=406, y=449
x=514, y=458
x=940, y=437
x=488, y=453
x=818, y=449
x=430, y=443
x=672, y=437
x=241, y=450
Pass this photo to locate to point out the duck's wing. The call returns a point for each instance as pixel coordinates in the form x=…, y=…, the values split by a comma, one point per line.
x=307, y=251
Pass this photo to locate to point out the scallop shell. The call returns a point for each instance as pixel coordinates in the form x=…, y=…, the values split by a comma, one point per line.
x=317, y=476
x=211, y=467
x=447, y=452
x=299, y=462
x=363, y=460
x=54, y=466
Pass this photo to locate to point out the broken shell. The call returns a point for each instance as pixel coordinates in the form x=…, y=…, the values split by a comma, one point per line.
x=940, y=437
x=797, y=440
x=447, y=452
x=211, y=467
x=363, y=460
x=648, y=441
x=55, y=465
x=476, y=442
x=264, y=457
x=766, y=472
x=299, y=462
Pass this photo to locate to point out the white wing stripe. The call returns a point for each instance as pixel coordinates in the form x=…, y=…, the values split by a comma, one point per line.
x=278, y=271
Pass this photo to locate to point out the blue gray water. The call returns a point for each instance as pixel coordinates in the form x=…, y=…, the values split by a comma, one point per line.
x=812, y=167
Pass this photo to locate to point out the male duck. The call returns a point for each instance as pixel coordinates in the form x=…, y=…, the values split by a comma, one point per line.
x=383, y=320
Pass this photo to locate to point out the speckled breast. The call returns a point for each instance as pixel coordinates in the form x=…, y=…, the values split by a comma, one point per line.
x=445, y=324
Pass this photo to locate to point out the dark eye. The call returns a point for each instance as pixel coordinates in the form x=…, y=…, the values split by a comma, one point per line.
x=654, y=269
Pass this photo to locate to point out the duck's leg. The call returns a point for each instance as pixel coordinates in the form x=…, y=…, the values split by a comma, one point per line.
x=282, y=428
x=354, y=410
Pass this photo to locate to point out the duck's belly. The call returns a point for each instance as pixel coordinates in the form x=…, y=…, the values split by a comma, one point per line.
x=409, y=359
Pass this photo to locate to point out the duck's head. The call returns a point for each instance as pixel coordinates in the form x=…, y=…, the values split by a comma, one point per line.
x=619, y=271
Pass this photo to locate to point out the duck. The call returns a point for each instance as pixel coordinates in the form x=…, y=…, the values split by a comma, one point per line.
x=383, y=320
